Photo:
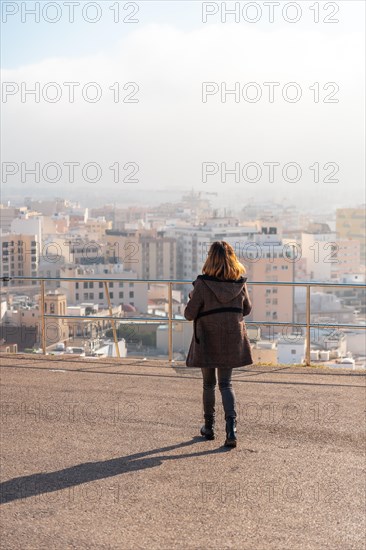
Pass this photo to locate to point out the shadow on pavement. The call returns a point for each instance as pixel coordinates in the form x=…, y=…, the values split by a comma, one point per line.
x=41, y=483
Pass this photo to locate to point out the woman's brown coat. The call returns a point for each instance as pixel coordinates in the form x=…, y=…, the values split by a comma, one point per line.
x=220, y=339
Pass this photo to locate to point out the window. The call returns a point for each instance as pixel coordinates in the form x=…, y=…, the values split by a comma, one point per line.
x=100, y=295
x=110, y=284
x=132, y=294
x=121, y=295
x=274, y=301
x=52, y=307
x=111, y=295
x=91, y=295
x=76, y=296
x=85, y=296
x=293, y=352
x=268, y=300
x=100, y=285
x=120, y=285
x=76, y=285
x=91, y=285
x=85, y=285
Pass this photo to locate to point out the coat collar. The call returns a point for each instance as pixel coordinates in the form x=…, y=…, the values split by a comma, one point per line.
x=241, y=280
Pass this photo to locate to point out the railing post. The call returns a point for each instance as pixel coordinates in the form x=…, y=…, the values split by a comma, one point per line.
x=307, y=356
x=170, y=322
x=113, y=321
x=43, y=319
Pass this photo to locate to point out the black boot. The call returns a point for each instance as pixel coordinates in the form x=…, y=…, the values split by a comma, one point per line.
x=207, y=429
x=230, y=432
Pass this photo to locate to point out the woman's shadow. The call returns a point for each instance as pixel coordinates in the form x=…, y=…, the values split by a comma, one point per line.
x=41, y=483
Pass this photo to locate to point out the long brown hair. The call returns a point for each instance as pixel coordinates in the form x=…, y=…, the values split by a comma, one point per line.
x=222, y=262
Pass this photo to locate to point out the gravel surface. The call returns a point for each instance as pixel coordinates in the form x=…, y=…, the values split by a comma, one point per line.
x=106, y=455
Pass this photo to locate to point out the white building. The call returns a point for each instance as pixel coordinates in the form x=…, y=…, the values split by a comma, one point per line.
x=108, y=349
x=320, y=251
x=291, y=351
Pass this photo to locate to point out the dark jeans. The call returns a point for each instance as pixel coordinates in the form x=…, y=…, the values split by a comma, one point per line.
x=225, y=387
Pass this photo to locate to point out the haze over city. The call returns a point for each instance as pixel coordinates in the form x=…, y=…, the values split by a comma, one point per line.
x=166, y=125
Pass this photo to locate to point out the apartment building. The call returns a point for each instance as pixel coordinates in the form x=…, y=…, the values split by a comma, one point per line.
x=82, y=250
x=349, y=257
x=55, y=225
x=351, y=224
x=125, y=293
x=150, y=254
x=194, y=242
x=123, y=247
x=96, y=227
x=272, y=303
x=19, y=256
x=319, y=247
x=157, y=257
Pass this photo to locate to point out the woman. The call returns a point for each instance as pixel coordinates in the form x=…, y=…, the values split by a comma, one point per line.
x=217, y=304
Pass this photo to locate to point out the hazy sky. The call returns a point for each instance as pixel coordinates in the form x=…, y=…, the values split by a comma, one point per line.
x=169, y=132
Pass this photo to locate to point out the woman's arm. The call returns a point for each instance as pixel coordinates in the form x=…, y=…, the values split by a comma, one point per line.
x=195, y=303
x=247, y=304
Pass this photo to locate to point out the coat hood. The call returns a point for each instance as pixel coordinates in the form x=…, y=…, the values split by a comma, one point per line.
x=224, y=290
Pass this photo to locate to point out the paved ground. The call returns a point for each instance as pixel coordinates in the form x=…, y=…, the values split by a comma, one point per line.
x=105, y=455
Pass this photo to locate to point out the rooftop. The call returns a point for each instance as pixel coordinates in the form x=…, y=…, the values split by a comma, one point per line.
x=104, y=454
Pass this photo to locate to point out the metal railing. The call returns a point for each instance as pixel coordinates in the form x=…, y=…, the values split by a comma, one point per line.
x=170, y=319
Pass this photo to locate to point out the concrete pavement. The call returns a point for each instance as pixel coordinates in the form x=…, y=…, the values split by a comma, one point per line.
x=106, y=455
